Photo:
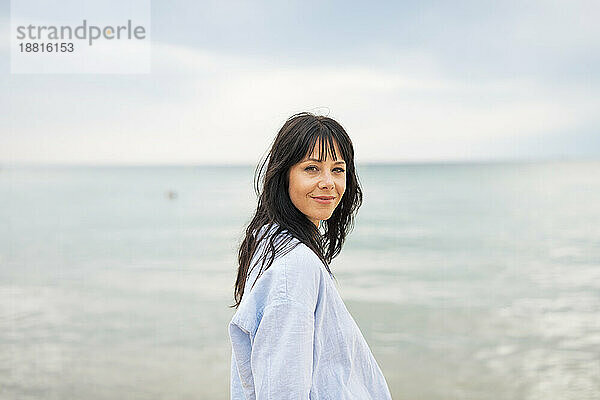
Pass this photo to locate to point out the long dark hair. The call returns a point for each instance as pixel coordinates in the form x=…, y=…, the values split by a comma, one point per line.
x=276, y=212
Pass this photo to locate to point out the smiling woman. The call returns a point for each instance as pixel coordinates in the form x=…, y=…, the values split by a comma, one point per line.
x=292, y=337
x=316, y=186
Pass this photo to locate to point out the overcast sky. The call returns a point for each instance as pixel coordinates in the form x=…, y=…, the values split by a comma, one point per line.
x=410, y=81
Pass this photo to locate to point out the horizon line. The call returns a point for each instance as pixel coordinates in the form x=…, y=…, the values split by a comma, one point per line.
x=506, y=160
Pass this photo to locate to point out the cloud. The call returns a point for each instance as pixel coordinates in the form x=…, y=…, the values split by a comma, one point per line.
x=204, y=106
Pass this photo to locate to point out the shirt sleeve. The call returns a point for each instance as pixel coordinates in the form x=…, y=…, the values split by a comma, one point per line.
x=282, y=351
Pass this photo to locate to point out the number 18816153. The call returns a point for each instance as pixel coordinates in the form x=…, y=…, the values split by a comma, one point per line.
x=46, y=47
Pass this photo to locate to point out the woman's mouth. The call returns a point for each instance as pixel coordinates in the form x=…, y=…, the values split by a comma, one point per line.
x=323, y=199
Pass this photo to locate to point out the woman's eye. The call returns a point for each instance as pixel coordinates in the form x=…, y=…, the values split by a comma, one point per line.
x=340, y=170
x=310, y=168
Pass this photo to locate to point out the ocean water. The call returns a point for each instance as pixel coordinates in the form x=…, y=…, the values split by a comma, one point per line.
x=469, y=281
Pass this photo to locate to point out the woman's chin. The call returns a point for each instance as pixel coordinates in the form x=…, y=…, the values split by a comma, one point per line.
x=323, y=217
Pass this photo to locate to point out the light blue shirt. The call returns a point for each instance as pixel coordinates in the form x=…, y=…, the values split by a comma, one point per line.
x=293, y=338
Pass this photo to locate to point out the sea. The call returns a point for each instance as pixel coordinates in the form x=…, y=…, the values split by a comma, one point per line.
x=476, y=280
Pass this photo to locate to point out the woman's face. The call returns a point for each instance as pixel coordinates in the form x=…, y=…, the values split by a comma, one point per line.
x=316, y=188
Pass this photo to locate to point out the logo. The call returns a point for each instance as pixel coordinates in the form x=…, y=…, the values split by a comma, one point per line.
x=94, y=36
x=84, y=31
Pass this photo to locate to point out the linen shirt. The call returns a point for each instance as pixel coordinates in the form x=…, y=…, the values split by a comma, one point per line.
x=292, y=337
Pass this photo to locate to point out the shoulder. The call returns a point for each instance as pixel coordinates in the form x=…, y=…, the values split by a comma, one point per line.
x=294, y=276
x=294, y=254
x=303, y=272
x=293, y=279
x=302, y=259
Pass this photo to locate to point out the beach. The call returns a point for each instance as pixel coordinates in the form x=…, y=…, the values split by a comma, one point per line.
x=468, y=280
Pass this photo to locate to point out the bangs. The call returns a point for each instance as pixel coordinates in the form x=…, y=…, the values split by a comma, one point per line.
x=326, y=145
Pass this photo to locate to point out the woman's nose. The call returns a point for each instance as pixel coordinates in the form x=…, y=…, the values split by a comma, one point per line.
x=326, y=181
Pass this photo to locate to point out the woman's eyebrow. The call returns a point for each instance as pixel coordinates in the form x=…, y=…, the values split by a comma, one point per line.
x=314, y=159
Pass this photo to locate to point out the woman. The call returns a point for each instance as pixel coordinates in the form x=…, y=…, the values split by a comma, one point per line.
x=292, y=336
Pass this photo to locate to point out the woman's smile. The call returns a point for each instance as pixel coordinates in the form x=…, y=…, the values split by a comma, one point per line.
x=324, y=199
